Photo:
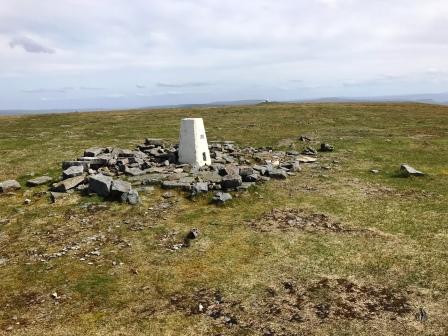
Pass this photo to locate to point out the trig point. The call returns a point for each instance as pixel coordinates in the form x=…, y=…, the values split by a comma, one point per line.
x=193, y=146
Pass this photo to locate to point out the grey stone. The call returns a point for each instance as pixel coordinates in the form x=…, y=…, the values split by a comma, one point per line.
x=145, y=189
x=229, y=170
x=278, y=174
x=324, y=147
x=306, y=159
x=93, y=151
x=94, y=160
x=246, y=170
x=39, y=181
x=231, y=181
x=193, y=234
x=100, y=184
x=68, y=164
x=251, y=178
x=176, y=185
x=9, y=185
x=374, y=171
x=153, y=142
x=221, y=198
x=132, y=197
x=73, y=171
x=407, y=170
x=245, y=186
x=68, y=184
x=309, y=151
x=200, y=187
x=209, y=176
x=134, y=171
x=54, y=196
x=119, y=187
x=261, y=169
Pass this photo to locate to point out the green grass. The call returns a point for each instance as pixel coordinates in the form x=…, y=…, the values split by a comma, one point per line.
x=127, y=289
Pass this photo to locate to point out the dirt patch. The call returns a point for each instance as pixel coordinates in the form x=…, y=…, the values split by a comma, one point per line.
x=287, y=307
x=287, y=219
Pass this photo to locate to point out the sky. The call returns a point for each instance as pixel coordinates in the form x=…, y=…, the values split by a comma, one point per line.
x=82, y=54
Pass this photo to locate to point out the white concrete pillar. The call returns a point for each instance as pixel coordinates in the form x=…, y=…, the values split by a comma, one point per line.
x=193, y=146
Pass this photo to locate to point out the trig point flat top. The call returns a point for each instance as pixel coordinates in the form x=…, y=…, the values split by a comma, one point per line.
x=193, y=146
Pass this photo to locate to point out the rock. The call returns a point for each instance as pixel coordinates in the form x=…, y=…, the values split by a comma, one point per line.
x=68, y=184
x=153, y=142
x=133, y=171
x=421, y=315
x=94, y=161
x=306, y=159
x=39, y=181
x=292, y=166
x=119, y=187
x=229, y=170
x=212, y=177
x=168, y=194
x=309, y=151
x=54, y=196
x=245, y=186
x=221, y=198
x=132, y=197
x=200, y=187
x=68, y=164
x=324, y=147
x=251, y=178
x=9, y=185
x=246, y=170
x=304, y=138
x=278, y=174
x=231, y=181
x=176, y=185
x=261, y=169
x=100, y=184
x=93, y=151
x=146, y=189
x=73, y=171
x=27, y=201
x=407, y=170
x=374, y=171
x=193, y=234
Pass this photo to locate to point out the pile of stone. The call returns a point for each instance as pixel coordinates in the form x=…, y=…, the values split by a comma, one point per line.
x=120, y=174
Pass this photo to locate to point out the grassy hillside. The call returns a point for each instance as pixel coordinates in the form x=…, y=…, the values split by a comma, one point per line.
x=250, y=275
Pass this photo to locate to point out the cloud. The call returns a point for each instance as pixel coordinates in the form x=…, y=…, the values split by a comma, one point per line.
x=138, y=86
x=30, y=45
x=183, y=85
x=60, y=90
x=89, y=88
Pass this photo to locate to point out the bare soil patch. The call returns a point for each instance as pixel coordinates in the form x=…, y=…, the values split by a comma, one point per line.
x=287, y=307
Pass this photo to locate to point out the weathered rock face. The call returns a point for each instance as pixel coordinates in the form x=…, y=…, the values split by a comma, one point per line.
x=278, y=174
x=94, y=151
x=324, y=147
x=68, y=184
x=407, y=170
x=39, y=181
x=73, y=171
x=9, y=185
x=132, y=197
x=100, y=184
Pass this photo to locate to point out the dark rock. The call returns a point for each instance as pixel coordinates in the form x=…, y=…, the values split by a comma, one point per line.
x=231, y=181
x=39, y=181
x=309, y=151
x=261, y=169
x=54, y=196
x=73, y=171
x=251, y=178
x=324, y=147
x=421, y=315
x=304, y=138
x=221, y=198
x=278, y=174
x=100, y=184
x=407, y=170
x=93, y=151
x=68, y=184
x=9, y=185
x=132, y=197
x=193, y=234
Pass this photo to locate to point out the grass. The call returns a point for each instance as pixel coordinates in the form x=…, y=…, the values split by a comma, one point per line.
x=127, y=289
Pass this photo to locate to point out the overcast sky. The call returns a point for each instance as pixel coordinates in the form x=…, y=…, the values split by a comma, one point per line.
x=127, y=53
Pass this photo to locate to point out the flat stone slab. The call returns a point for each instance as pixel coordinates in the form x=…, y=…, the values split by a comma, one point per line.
x=306, y=159
x=119, y=187
x=39, y=181
x=134, y=171
x=176, y=185
x=73, y=171
x=221, y=198
x=407, y=170
x=93, y=151
x=9, y=185
x=68, y=184
x=68, y=164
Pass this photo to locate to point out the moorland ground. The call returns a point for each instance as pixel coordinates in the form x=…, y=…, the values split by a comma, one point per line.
x=249, y=272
